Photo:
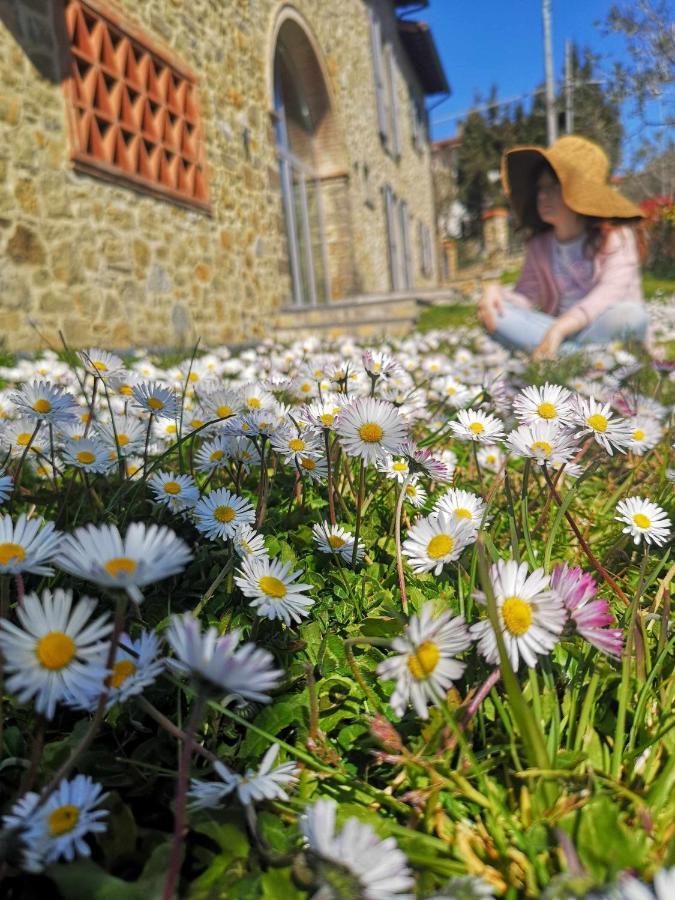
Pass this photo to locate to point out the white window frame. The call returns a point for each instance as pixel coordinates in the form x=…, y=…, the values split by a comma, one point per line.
x=378, y=74
x=426, y=254
x=386, y=87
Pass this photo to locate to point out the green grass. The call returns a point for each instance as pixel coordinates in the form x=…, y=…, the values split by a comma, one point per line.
x=447, y=316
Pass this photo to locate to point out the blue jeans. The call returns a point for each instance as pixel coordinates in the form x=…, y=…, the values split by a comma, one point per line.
x=524, y=329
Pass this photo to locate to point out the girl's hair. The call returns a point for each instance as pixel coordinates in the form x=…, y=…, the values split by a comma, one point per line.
x=598, y=229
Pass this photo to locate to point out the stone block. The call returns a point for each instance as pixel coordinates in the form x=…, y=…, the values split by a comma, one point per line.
x=25, y=248
x=9, y=110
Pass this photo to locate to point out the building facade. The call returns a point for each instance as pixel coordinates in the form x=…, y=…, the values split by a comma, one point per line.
x=214, y=169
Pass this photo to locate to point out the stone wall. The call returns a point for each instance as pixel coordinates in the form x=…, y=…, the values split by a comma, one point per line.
x=110, y=265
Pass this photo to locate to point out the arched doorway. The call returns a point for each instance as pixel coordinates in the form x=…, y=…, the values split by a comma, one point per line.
x=313, y=171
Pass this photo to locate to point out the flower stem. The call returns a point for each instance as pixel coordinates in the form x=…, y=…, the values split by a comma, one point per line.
x=17, y=476
x=359, y=506
x=480, y=695
x=397, y=536
x=329, y=469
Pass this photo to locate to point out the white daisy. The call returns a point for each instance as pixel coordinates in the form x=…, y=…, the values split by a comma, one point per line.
x=490, y=457
x=452, y=391
x=356, y=858
x=6, y=484
x=100, y=363
x=57, y=828
x=221, y=403
x=543, y=441
x=252, y=787
x=175, y=491
x=425, y=666
x=461, y=505
x=316, y=469
x=90, y=454
x=155, y=398
x=415, y=495
x=422, y=461
x=379, y=364
x=476, y=425
x=643, y=519
x=20, y=434
x=213, y=454
x=220, y=513
x=370, y=428
x=292, y=444
x=146, y=554
x=323, y=413
x=45, y=401
x=247, y=671
x=271, y=585
x=531, y=616
x=596, y=418
x=127, y=437
x=645, y=433
x=56, y=652
x=435, y=541
x=550, y=403
x=27, y=544
x=248, y=542
x=334, y=539
x=394, y=467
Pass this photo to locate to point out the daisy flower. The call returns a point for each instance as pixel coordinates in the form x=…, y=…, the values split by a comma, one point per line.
x=122, y=384
x=378, y=364
x=590, y=616
x=316, y=469
x=22, y=433
x=334, y=539
x=465, y=887
x=452, y=391
x=127, y=437
x=217, y=661
x=423, y=462
x=57, y=828
x=596, y=418
x=370, y=428
x=255, y=397
x=45, y=401
x=220, y=513
x=476, y=425
x=271, y=585
x=89, y=454
x=248, y=542
x=292, y=444
x=155, y=398
x=435, y=541
x=222, y=403
x=56, y=652
x=393, y=467
x=531, y=617
x=542, y=441
x=645, y=433
x=146, y=554
x=461, y=505
x=175, y=491
x=6, y=484
x=550, y=403
x=100, y=363
x=27, y=544
x=356, y=858
x=212, y=454
x=323, y=413
x=643, y=519
x=490, y=457
x=415, y=495
x=252, y=787
x=425, y=666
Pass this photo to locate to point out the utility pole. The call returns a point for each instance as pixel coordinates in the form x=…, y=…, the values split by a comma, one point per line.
x=551, y=123
x=569, y=89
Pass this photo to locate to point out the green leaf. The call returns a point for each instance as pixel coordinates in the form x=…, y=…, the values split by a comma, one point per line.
x=278, y=883
x=273, y=719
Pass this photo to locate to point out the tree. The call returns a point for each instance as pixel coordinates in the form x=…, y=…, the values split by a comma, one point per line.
x=597, y=114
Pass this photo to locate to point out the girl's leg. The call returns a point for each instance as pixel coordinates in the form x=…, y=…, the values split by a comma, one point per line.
x=521, y=329
x=623, y=320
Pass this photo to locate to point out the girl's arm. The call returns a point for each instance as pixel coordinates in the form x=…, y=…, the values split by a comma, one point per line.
x=619, y=277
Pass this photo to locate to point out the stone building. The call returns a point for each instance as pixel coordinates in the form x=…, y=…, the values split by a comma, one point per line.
x=221, y=169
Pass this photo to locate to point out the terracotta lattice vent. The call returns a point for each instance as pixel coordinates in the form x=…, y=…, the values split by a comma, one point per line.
x=134, y=112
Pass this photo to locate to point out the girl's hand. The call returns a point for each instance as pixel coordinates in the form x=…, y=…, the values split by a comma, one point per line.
x=549, y=345
x=490, y=306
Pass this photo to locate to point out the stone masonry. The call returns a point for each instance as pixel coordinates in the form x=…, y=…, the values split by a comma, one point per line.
x=109, y=265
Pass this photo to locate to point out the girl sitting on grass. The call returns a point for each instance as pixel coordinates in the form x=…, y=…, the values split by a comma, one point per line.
x=580, y=282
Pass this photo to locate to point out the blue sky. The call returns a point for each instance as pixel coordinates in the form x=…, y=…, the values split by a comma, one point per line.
x=486, y=42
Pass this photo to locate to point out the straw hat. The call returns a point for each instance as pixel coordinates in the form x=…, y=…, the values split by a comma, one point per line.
x=582, y=168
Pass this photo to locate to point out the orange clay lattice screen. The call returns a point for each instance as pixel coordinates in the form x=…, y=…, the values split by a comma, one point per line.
x=135, y=116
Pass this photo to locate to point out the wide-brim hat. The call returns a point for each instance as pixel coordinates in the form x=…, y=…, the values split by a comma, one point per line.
x=582, y=168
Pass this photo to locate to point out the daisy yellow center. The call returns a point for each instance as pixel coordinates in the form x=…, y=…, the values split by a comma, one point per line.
x=155, y=403
x=42, y=406
x=171, y=429
x=172, y=487
x=477, y=427
x=641, y=520
x=296, y=444
x=120, y=565
x=308, y=463
x=253, y=403
x=11, y=553
x=217, y=455
x=543, y=446
x=23, y=438
x=196, y=423
x=55, y=650
x=305, y=388
x=63, y=819
x=336, y=542
x=125, y=390
x=99, y=366
x=638, y=435
x=122, y=440
x=439, y=546
x=490, y=458
x=597, y=422
x=411, y=490
x=193, y=376
x=120, y=672
x=517, y=615
x=546, y=410
x=223, y=410
x=462, y=513
x=423, y=661
x=399, y=467
x=451, y=390
x=85, y=457
x=327, y=419
x=370, y=432
x=224, y=513
x=272, y=586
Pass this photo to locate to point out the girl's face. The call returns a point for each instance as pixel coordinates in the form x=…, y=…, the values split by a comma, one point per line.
x=550, y=204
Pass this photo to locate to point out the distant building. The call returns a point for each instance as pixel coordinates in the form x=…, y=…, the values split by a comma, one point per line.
x=178, y=169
